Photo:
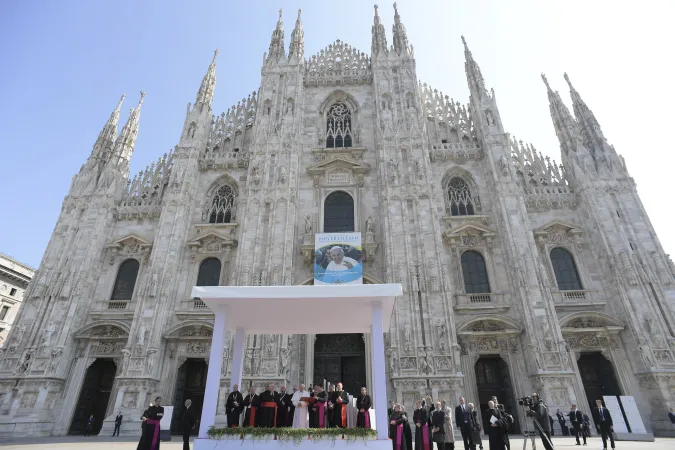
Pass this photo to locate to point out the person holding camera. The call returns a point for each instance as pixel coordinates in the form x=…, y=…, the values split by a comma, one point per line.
x=539, y=412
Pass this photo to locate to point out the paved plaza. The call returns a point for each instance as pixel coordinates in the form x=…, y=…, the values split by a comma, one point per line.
x=124, y=443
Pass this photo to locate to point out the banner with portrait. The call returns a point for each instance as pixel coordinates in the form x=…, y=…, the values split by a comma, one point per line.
x=338, y=258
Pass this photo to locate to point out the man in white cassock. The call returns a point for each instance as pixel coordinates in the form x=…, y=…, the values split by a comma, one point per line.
x=300, y=418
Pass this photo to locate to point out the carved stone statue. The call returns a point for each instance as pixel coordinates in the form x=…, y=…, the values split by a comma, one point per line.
x=393, y=362
x=282, y=175
x=18, y=336
x=283, y=366
x=154, y=280
x=47, y=334
x=407, y=336
x=504, y=165
x=369, y=225
x=441, y=330
x=54, y=361
x=270, y=346
x=140, y=337
x=308, y=224
x=536, y=355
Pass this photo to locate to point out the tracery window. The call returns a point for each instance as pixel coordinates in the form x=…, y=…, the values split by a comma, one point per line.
x=126, y=280
x=565, y=270
x=338, y=212
x=459, y=198
x=339, y=126
x=222, y=206
x=475, y=273
x=209, y=272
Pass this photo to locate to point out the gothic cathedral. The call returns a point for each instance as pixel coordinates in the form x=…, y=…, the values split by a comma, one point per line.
x=519, y=275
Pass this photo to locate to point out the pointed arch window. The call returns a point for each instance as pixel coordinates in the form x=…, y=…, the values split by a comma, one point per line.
x=223, y=205
x=209, y=272
x=339, y=126
x=126, y=280
x=565, y=269
x=475, y=273
x=459, y=198
x=338, y=213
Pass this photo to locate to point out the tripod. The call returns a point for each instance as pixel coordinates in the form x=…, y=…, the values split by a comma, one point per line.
x=529, y=434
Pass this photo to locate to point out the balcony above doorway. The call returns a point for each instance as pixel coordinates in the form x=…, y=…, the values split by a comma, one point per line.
x=480, y=302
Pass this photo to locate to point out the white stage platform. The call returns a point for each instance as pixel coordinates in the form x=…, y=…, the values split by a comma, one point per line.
x=292, y=310
x=232, y=444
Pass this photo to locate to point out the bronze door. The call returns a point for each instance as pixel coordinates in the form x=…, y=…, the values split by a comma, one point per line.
x=340, y=357
x=94, y=396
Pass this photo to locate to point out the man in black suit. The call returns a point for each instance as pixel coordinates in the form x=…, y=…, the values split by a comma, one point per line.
x=118, y=423
x=577, y=420
x=187, y=422
x=464, y=423
x=603, y=421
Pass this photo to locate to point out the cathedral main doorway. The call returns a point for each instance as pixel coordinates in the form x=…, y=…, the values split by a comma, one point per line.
x=493, y=379
x=597, y=376
x=94, y=396
x=190, y=384
x=340, y=357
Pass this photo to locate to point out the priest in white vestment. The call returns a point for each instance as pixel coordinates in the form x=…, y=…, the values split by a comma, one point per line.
x=301, y=417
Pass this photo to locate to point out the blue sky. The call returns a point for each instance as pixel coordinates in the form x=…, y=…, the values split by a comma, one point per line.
x=65, y=64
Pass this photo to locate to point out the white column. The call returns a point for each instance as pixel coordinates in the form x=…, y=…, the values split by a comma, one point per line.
x=378, y=378
x=213, y=375
x=239, y=345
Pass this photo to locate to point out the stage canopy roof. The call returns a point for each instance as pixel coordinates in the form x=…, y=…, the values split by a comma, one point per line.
x=325, y=309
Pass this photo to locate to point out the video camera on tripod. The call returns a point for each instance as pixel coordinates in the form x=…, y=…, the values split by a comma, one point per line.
x=526, y=402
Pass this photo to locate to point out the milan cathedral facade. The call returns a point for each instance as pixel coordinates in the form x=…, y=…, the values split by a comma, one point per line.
x=519, y=274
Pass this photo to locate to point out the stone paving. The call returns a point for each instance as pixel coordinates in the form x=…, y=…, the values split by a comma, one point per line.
x=126, y=443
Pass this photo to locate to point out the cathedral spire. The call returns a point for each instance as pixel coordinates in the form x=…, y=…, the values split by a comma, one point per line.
x=205, y=94
x=124, y=145
x=106, y=137
x=297, y=47
x=473, y=74
x=584, y=115
x=277, y=48
x=379, y=44
x=565, y=125
x=400, y=37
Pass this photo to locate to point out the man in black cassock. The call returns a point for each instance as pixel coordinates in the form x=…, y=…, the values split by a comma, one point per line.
x=284, y=419
x=251, y=403
x=398, y=422
x=363, y=405
x=339, y=400
x=317, y=412
x=150, y=435
x=233, y=407
x=267, y=412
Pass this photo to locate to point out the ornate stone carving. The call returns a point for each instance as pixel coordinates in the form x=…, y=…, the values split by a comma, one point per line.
x=196, y=347
x=485, y=325
x=28, y=400
x=107, y=331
